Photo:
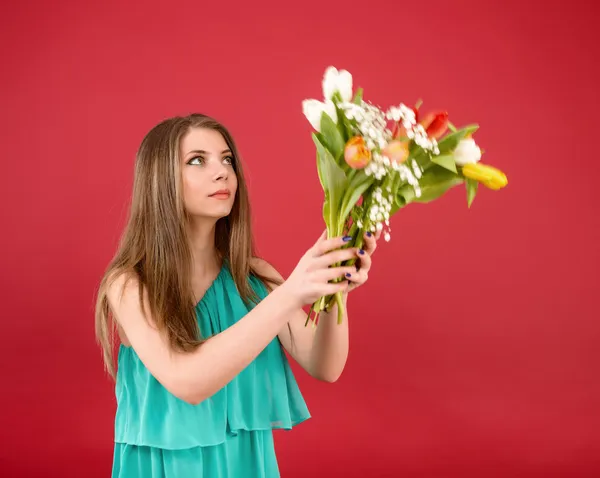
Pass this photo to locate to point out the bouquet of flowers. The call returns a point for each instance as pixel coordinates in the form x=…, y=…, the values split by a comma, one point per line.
x=372, y=163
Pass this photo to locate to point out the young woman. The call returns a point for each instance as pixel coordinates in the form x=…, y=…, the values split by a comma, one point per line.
x=202, y=377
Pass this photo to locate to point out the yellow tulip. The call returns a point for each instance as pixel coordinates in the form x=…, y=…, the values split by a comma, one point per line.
x=487, y=175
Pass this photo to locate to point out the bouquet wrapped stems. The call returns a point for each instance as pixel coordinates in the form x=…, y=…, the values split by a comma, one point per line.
x=373, y=163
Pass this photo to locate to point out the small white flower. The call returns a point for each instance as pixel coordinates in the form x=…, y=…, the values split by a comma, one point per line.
x=467, y=152
x=340, y=81
x=314, y=109
x=387, y=237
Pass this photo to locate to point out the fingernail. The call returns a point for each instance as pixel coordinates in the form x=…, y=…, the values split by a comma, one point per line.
x=361, y=252
x=348, y=274
x=369, y=234
x=346, y=238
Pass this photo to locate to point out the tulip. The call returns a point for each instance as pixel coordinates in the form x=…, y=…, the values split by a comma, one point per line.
x=487, y=175
x=396, y=151
x=356, y=153
x=340, y=81
x=435, y=124
x=314, y=109
x=467, y=152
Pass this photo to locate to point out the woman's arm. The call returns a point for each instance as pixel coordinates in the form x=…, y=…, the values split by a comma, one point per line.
x=195, y=376
x=322, y=351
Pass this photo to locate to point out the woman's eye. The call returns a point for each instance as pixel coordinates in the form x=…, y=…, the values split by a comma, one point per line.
x=228, y=160
x=196, y=160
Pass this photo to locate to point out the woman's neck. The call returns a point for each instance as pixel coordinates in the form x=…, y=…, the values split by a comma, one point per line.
x=204, y=253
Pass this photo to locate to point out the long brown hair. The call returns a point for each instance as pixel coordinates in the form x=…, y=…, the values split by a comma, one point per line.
x=155, y=246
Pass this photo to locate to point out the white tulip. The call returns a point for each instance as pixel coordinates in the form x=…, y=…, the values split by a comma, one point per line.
x=467, y=152
x=314, y=109
x=340, y=81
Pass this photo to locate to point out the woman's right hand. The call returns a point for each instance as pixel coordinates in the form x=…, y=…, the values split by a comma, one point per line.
x=310, y=279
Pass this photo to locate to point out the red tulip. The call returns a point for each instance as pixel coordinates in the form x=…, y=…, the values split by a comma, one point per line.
x=356, y=153
x=435, y=124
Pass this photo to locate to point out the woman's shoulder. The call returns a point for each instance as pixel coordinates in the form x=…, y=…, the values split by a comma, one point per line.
x=120, y=283
x=265, y=270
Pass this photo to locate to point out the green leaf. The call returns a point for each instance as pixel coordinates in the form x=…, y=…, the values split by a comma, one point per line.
x=318, y=143
x=326, y=213
x=358, y=96
x=434, y=184
x=357, y=213
x=445, y=161
x=344, y=124
x=418, y=154
x=332, y=136
x=336, y=184
x=449, y=142
x=359, y=184
x=471, y=186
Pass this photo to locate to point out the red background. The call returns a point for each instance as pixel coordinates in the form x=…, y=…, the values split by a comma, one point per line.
x=474, y=346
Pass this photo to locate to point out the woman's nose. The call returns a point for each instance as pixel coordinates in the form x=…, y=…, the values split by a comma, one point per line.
x=220, y=172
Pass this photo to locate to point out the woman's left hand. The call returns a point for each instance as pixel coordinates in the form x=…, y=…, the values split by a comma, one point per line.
x=364, y=262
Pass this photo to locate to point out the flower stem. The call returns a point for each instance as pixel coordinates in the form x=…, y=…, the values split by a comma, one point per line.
x=340, y=304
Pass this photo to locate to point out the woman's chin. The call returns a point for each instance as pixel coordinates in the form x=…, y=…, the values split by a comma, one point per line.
x=213, y=215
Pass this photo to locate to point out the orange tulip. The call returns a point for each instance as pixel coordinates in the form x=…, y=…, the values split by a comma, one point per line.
x=356, y=153
x=435, y=124
x=396, y=151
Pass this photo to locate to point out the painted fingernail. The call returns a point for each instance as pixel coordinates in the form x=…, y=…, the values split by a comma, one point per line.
x=346, y=238
x=361, y=252
x=348, y=274
x=369, y=234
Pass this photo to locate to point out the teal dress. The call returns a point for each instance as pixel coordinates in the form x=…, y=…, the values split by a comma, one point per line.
x=228, y=435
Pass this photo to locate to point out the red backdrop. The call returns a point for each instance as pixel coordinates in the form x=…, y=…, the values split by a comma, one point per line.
x=475, y=344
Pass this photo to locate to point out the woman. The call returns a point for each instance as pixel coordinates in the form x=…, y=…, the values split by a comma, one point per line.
x=202, y=377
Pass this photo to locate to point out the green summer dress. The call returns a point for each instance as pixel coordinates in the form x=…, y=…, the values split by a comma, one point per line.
x=228, y=435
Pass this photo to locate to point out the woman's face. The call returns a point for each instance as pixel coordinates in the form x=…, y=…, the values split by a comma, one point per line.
x=209, y=180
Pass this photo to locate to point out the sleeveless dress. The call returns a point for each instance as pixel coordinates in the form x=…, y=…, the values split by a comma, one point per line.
x=228, y=435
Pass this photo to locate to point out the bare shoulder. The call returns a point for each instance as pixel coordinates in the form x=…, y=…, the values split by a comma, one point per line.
x=266, y=270
x=121, y=286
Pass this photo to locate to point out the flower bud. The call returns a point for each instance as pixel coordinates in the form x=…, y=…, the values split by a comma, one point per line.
x=396, y=151
x=435, y=124
x=487, y=175
x=467, y=152
x=356, y=153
